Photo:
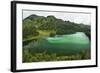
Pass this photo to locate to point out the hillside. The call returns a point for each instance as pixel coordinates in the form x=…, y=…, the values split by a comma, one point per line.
x=37, y=26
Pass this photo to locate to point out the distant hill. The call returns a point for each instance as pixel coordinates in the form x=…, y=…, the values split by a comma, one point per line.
x=34, y=23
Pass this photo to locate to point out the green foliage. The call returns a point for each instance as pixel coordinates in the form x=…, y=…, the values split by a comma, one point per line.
x=43, y=56
x=52, y=34
x=33, y=23
x=36, y=27
x=29, y=29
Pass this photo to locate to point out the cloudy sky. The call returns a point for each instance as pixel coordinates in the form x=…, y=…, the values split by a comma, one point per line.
x=71, y=16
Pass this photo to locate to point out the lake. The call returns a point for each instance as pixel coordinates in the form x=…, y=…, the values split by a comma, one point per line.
x=61, y=44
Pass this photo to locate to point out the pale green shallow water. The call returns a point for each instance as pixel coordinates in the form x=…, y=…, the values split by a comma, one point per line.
x=62, y=44
x=79, y=38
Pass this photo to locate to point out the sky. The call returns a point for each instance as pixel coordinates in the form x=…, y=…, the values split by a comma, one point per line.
x=84, y=18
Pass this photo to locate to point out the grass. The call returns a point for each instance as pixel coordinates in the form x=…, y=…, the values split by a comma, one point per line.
x=41, y=34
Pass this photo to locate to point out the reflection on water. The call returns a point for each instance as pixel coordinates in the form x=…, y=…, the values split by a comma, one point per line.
x=70, y=44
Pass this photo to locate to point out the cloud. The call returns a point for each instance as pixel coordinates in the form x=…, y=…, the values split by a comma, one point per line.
x=67, y=16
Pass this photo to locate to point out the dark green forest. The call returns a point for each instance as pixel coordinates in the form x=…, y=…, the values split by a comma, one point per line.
x=35, y=27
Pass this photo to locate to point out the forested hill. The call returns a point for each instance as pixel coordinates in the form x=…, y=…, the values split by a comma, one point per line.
x=34, y=23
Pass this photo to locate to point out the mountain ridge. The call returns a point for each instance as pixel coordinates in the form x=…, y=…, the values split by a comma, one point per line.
x=35, y=22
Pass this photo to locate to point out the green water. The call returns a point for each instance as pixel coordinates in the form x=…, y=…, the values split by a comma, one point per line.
x=79, y=38
x=61, y=44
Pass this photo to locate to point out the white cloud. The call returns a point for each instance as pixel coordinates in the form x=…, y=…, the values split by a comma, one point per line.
x=71, y=16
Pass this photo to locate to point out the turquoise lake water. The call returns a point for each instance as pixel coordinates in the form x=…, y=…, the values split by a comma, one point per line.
x=62, y=44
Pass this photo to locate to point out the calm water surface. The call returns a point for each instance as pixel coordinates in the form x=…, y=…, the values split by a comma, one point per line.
x=70, y=44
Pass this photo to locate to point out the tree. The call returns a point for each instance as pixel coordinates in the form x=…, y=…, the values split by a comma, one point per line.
x=29, y=29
